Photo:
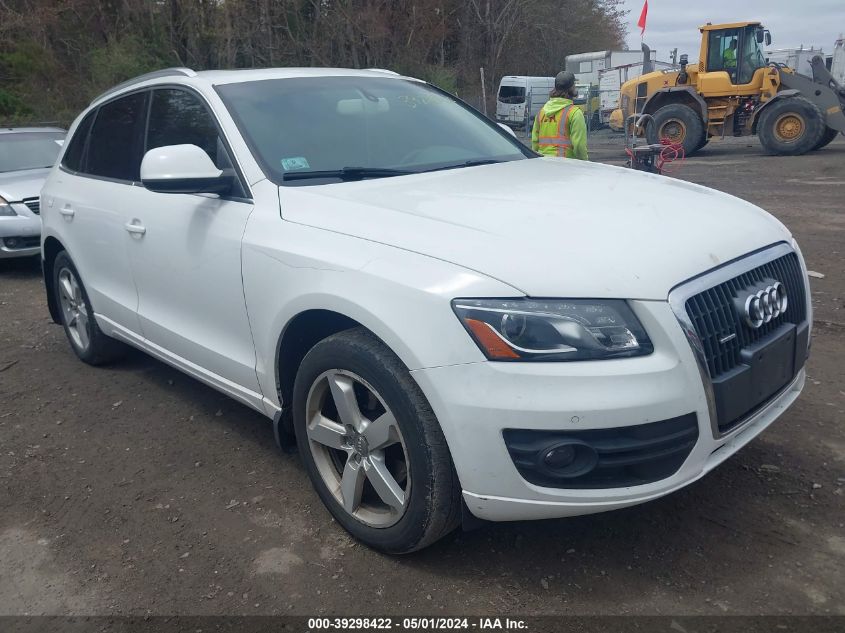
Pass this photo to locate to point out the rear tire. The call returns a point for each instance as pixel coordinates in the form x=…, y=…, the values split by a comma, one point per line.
x=680, y=124
x=420, y=502
x=827, y=138
x=77, y=316
x=790, y=127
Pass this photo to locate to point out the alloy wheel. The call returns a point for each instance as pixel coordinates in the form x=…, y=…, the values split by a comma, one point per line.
x=74, y=309
x=358, y=448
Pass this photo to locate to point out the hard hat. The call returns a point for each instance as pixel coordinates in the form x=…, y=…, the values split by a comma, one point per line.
x=564, y=80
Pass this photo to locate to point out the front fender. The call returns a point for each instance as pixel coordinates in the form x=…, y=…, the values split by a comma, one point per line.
x=402, y=297
x=783, y=94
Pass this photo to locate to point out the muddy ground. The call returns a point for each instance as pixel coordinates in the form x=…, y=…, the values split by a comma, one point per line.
x=137, y=490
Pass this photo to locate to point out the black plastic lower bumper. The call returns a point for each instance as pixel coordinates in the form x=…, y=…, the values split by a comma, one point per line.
x=603, y=458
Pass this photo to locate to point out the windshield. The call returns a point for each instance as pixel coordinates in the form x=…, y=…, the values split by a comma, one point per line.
x=29, y=150
x=327, y=124
x=754, y=55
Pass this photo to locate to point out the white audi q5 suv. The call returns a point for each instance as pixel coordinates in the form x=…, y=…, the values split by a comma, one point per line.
x=451, y=327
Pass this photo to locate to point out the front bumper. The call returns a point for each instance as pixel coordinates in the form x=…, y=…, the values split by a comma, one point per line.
x=476, y=402
x=24, y=228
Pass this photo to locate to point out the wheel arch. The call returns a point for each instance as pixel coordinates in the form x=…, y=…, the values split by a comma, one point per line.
x=51, y=248
x=300, y=334
x=780, y=96
x=307, y=327
x=685, y=95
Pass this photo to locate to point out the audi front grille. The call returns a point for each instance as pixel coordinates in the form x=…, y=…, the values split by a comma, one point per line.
x=747, y=323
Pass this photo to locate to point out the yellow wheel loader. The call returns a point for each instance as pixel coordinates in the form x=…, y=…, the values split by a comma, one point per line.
x=734, y=91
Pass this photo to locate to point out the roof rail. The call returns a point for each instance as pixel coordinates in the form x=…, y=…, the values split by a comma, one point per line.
x=383, y=70
x=164, y=72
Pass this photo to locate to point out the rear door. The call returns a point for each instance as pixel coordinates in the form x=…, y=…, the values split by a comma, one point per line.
x=186, y=257
x=86, y=201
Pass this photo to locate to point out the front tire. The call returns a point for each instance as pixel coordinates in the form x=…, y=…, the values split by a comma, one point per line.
x=77, y=316
x=372, y=446
x=680, y=124
x=790, y=127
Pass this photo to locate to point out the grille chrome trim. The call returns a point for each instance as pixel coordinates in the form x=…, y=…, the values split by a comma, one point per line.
x=33, y=204
x=681, y=293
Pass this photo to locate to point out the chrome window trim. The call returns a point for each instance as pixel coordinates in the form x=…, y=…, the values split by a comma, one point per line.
x=680, y=294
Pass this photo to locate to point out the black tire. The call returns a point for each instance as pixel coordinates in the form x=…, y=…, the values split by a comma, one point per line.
x=704, y=142
x=433, y=502
x=790, y=127
x=681, y=124
x=827, y=138
x=99, y=349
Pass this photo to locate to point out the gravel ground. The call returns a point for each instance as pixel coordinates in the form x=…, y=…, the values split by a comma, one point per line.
x=137, y=490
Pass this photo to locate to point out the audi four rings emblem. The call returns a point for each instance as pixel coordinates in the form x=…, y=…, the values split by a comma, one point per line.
x=765, y=305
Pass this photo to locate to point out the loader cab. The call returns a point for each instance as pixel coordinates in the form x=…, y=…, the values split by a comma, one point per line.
x=735, y=49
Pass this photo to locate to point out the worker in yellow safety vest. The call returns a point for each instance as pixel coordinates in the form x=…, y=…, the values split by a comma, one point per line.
x=729, y=57
x=560, y=129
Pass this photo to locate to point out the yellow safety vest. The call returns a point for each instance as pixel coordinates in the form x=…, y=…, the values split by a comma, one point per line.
x=554, y=132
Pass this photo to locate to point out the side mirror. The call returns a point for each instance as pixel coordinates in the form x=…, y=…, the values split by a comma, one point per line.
x=768, y=38
x=761, y=37
x=183, y=169
x=508, y=128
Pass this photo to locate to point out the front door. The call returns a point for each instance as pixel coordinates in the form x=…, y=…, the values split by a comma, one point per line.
x=185, y=252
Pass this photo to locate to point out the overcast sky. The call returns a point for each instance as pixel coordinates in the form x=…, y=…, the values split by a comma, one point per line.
x=674, y=23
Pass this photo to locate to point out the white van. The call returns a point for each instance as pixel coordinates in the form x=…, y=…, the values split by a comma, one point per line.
x=520, y=98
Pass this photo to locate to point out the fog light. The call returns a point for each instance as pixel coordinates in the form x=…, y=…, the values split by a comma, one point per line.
x=570, y=458
x=11, y=242
x=560, y=456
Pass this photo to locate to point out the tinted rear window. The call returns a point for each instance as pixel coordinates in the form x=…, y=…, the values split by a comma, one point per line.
x=114, y=150
x=73, y=158
x=512, y=94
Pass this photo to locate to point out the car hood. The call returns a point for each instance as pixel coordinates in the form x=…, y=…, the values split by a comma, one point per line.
x=18, y=185
x=548, y=227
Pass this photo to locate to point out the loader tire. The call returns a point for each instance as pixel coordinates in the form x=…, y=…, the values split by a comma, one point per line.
x=790, y=127
x=827, y=137
x=680, y=124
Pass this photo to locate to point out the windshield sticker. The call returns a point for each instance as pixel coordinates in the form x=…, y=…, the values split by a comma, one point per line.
x=294, y=163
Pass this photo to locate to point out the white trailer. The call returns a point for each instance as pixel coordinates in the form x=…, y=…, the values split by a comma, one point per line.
x=837, y=62
x=586, y=66
x=520, y=98
x=797, y=59
x=611, y=80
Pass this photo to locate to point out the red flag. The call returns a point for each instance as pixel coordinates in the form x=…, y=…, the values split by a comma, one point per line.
x=643, y=15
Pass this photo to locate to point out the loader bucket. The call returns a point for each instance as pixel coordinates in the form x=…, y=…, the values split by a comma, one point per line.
x=822, y=90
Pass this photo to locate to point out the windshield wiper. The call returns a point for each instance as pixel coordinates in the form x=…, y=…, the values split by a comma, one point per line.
x=347, y=173
x=468, y=163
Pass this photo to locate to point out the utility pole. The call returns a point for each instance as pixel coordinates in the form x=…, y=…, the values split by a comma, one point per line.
x=483, y=93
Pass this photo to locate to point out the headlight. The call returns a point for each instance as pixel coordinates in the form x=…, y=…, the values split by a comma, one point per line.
x=6, y=208
x=554, y=329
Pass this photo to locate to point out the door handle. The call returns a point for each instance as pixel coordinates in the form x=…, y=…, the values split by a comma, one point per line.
x=135, y=228
x=67, y=212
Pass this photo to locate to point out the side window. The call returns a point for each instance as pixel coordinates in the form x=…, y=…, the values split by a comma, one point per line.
x=177, y=118
x=73, y=158
x=114, y=150
x=723, y=51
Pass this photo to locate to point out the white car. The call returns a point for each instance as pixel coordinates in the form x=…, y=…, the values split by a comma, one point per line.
x=26, y=156
x=450, y=326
